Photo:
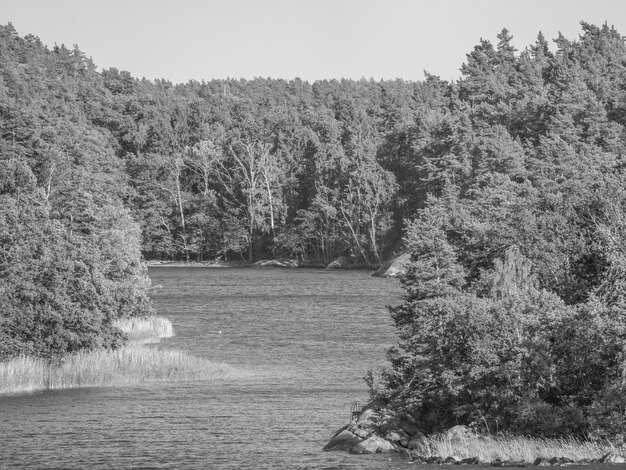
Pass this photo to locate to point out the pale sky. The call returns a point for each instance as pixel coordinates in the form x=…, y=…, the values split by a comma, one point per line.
x=182, y=40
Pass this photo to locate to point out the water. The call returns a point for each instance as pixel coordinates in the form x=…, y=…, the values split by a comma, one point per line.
x=303, y=340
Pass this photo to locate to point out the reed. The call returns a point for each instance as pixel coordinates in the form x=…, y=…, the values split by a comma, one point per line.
x=129, y=365
x=23, y=374
x=145, y=330
x=515, y=448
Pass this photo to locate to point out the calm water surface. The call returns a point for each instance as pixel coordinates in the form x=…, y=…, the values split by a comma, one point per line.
x=302, y=340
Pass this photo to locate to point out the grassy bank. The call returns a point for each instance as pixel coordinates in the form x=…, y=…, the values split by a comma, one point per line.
x=133, y=364
x=145, y=330
x=515, y=448
x=125, y=366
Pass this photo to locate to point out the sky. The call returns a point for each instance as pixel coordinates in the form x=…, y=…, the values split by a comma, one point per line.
x=182, y=40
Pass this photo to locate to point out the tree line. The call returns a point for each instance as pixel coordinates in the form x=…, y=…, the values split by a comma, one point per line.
x=513, y=317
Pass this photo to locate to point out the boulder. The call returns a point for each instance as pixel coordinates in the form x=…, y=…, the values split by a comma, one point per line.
x=362, y=433
x=365, y=425
x=368, y=420
x=373, y=445
x=507, y=463
x=344, y=440
x=395, y=267
x=276, y=263
x=340, y=263
x=416, y=443
x=398, y=437
x=541, y=462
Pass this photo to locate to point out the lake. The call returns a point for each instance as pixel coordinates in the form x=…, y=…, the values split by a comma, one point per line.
x=302, y=340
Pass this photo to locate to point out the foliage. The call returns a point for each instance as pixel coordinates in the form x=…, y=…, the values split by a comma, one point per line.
x=65, y=282
x=514, y=316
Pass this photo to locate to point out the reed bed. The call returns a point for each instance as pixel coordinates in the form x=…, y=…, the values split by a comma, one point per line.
x=515, y=448
x=125, y=366
x=145, y=330
x=22, y=374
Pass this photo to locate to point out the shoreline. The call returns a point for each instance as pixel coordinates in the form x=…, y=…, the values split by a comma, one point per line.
x=198, y=264
x=271, y=263
x=376, y=432
x=394, y=267
x=266, y=263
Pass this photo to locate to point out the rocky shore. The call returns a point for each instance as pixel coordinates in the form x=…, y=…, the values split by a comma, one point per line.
x=394, y=267
x=375, y=432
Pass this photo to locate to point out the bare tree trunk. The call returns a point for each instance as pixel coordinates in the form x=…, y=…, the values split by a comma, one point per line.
x=269, y=200
x=356, y=238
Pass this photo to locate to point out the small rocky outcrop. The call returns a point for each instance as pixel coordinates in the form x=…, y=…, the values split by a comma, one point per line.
x=395, y=267
x=373, y=445
x=276, y=263
x=343, y=262
x=343, y=440
x=348, y=262
x=376, y=432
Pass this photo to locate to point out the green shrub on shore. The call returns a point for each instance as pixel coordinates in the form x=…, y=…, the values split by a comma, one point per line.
x=515, y=448
x=70, y=265
x=145, y=330
x=125, y=366
x=496, y=350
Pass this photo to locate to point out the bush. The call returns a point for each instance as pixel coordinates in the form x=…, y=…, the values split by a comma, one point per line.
x=500, y=353
x=65, y=278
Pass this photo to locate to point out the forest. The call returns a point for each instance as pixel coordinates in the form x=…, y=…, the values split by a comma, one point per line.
x=507, y=187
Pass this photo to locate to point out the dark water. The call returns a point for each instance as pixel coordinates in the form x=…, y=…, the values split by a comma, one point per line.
x=307, y=336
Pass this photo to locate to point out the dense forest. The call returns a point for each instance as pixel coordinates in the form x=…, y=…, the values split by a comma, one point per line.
x=514, y=316
x=507, y=187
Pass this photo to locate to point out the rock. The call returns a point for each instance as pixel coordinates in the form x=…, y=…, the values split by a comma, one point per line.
x=343, y=440
x=416, y=443
x=452, y=459
x=459, y=433
x=276, y=263
x=409, y=426
x=395, y=267
x=340, y=263
x=373, y=445
x=398, y=437
x=362, y=433
x=368, y=420
x=507, y=463
x=541, y=462
x=611, y=457
x=471, y=461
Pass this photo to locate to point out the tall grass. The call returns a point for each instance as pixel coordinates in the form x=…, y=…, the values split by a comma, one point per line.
x=515, y=448
x=145, y=330
x=125, y=366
